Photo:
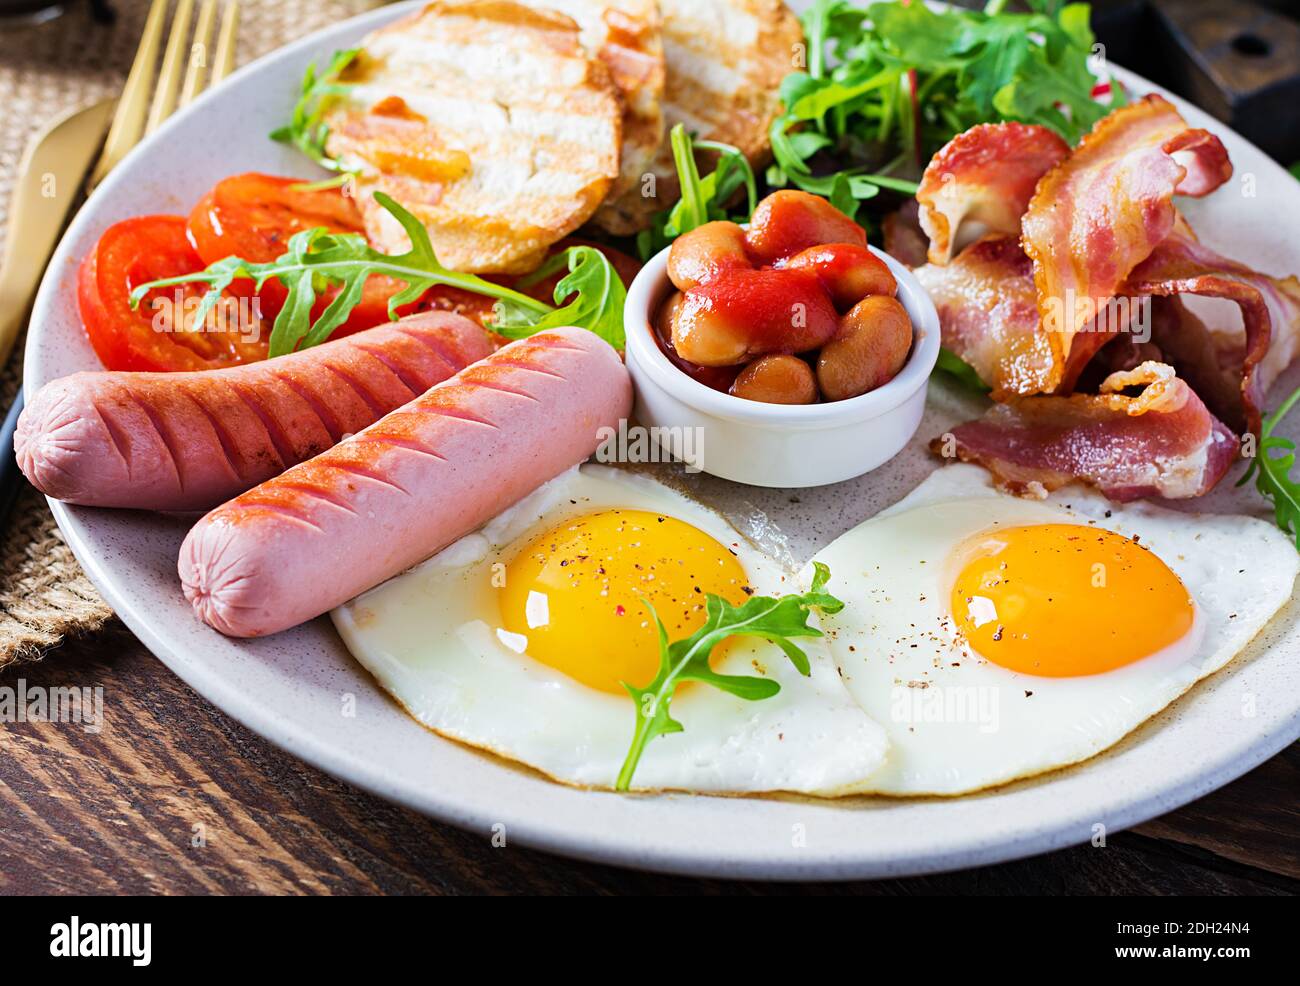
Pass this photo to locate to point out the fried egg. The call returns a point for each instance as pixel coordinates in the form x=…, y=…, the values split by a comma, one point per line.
x=516, y=639
x=995, y=638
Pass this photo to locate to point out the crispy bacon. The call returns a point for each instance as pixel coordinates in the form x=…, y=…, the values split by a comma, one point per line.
x=1182, y=340
x=984, y=175
x=1101, y=212
x=1161, y=442
x=1124, y=352
x=1100, y=241
x=988, y=314
x=1269, y=338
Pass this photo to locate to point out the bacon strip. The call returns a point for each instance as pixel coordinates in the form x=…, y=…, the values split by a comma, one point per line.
x=1102, y=211
x=1268, y=342
x=1161, y=442
x=1183, y=341
x=988, y=314
x=985, y=175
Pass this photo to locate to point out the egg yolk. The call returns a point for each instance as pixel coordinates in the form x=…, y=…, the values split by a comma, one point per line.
x=1061, y=600
x=574, y=594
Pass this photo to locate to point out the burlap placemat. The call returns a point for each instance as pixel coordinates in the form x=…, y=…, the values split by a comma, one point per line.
x=44, y=70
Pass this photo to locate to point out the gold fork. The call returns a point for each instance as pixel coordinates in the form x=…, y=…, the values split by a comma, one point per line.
x=56, y=162
x=144, y=105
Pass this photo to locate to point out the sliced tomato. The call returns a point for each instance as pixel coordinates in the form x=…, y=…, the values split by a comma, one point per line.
x=160, y=333
x=474, y=306
x=252, y=216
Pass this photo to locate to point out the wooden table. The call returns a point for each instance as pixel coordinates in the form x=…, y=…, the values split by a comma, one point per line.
x=172, y=796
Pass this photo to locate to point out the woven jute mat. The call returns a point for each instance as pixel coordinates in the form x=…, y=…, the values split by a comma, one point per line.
x=45, y=69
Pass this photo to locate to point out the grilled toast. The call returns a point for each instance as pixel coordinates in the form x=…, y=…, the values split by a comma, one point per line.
x=725, y=62
x=626, y=36
x=489, y=122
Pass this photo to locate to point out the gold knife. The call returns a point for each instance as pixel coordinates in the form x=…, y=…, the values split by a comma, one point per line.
x=49, y=184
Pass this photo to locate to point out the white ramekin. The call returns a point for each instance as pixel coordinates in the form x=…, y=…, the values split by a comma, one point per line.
x=776, y=445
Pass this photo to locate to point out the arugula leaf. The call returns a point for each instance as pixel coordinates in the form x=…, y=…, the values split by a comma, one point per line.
x=961, y=371
x=774, y=619
x=814, y=104
x=306, y=129
x=824, y=24
x=702, y=199
x=918, y=36
x=316, y=259
x=1005, y=52
x=598, y=298
x=1272, y=473
x=887, y=85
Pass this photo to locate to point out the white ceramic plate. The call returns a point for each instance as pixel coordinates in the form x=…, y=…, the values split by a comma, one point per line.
x=294, y=688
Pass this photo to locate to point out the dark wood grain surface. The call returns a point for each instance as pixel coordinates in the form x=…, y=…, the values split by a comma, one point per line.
x=172, y=796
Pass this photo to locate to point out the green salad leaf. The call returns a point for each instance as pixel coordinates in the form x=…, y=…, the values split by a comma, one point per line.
x=703, y=199
x=317, y=259
x=306, y=129
x=593, y=284
x=779, y=620
x=961, y=371
x=888, y=85
x=1272, y=472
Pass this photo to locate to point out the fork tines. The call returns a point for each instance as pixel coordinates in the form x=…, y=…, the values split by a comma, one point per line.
x=144, y=104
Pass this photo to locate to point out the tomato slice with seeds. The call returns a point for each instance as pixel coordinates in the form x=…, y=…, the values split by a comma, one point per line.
x=253, y=216
x=160, y=333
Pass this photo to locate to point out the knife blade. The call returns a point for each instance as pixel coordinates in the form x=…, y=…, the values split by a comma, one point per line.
x=50, y=179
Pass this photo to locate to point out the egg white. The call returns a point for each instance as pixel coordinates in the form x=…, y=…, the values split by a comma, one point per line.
x=429, y=636
x=958, y=723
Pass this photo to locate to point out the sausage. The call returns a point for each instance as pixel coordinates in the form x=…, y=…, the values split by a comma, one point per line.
x=192, y=440
x=404, y=488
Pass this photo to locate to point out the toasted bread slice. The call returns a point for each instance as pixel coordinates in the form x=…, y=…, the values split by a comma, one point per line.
x=489, y=122
x=626, y=35
x=725, y=60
